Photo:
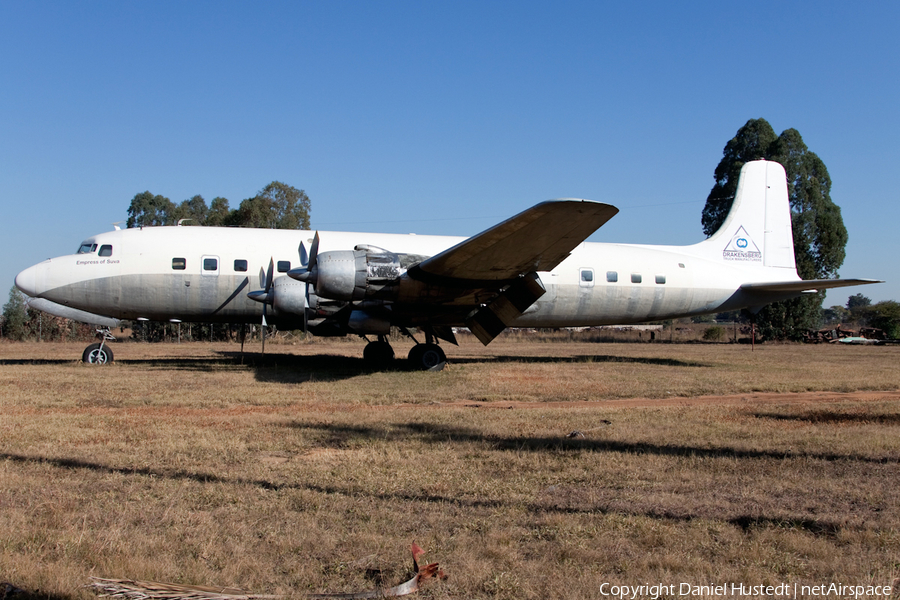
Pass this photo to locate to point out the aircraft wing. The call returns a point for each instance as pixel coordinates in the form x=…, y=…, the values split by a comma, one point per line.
x=809, y=285
x=537, y=239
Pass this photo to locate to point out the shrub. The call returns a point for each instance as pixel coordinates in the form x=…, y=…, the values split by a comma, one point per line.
x=714, y=334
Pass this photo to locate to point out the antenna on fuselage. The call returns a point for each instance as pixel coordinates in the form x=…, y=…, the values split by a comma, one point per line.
x=116, y=225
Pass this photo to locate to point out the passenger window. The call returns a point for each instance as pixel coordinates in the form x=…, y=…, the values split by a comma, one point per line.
x=240, y=265
x=660, y=279
x=178, y=264
x=105, y=250
x=210, y=264
x=284, y=266
x=635, y=278
x=612, y=276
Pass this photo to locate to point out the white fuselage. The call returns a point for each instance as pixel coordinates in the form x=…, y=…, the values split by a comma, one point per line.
x=204, y=274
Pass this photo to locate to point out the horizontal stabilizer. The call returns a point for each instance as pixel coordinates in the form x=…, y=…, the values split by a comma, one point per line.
x=809, y=285
x=537, y=239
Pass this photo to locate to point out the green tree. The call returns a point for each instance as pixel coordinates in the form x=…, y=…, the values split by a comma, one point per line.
x=276, y=206
x=15, y=316
x=857, y=301
x=750, y=143
x=147, y=210
x=835, y=314
x=291, y=205
x=219, y=213
x=253, y=212
x=818, y=229
x=820, y=237
x=884, y=315
x=192, y=212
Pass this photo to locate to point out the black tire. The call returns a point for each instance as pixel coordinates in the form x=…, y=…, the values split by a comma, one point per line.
x=378, y=353
x=415, y=356
x=426, y=356
x=96, y=355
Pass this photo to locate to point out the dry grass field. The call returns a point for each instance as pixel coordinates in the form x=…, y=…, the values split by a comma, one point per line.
x=527, y=470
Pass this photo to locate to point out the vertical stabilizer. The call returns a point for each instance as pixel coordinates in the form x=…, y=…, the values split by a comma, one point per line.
x=757, y=231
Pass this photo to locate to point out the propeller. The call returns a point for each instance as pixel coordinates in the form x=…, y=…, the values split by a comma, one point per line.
x=307, y=274
x=264, y=295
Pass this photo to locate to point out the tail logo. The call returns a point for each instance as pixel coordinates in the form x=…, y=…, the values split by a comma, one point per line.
x=741, y=248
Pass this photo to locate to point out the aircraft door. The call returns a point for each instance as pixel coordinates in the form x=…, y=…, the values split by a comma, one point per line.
x=586, y=277
x=209, y=266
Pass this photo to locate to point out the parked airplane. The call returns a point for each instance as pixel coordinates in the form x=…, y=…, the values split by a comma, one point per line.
x=533, y=270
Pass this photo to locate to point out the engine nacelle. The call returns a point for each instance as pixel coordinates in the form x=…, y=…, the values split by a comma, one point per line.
x=289, y=296
x=351, y=275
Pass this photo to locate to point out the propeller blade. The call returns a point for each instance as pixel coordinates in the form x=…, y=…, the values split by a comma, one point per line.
x=269, y=274
x=313, y=252
x=306, y=311
x=263, y=330
x=304, y=256
x=266, y=296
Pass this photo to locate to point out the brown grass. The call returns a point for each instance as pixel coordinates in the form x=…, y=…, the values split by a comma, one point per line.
x=308, y=472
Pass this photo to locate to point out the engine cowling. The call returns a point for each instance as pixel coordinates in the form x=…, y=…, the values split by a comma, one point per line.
x=352, y=275
x=289, y=296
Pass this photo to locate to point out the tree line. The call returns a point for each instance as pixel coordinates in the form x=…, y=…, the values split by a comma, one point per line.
x=859, y=309
x=276, y=206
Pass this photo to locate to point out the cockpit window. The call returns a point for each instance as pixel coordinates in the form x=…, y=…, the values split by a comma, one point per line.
x=87, y=248
x=105, y=250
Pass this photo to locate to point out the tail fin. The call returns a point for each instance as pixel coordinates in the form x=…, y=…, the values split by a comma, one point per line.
x=757, y=231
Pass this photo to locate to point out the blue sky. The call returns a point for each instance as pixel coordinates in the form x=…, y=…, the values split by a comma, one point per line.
x=438, y=117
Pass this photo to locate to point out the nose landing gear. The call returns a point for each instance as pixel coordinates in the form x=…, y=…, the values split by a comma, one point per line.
x=99, y=353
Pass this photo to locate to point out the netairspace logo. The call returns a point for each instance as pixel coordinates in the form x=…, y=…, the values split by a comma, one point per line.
x=737, y=590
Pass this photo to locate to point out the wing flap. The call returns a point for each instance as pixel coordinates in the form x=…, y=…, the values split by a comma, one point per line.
x=537, y=239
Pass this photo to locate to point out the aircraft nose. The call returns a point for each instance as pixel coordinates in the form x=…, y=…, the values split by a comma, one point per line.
x=31, y=280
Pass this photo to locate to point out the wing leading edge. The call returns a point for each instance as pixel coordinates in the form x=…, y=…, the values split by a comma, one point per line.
x=537, y=239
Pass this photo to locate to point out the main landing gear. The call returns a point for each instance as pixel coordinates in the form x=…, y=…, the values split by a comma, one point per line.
x=379, y=353
x=426, y=356
x=99, y=353
x=423, y=357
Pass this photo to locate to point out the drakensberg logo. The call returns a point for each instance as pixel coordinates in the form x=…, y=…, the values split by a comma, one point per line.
x=742, y=248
